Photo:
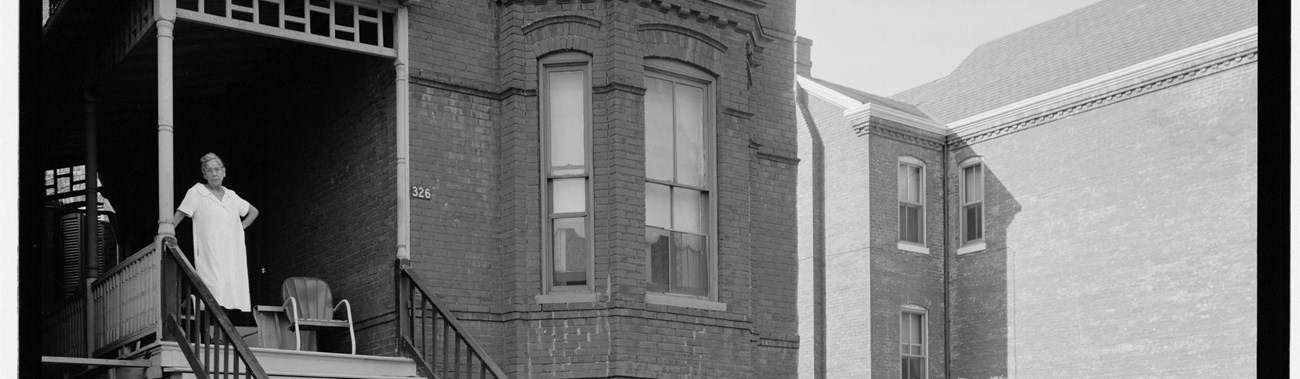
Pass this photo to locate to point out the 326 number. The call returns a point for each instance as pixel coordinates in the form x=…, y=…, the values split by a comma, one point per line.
x=421, y=193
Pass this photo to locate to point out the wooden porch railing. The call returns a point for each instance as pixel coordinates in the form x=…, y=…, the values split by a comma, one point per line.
x=433, y=337
x=63, y=332
x=125, y=302
x=194, y=319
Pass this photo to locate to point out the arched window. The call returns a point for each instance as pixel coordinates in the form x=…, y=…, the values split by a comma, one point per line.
x=971, y=196
x=679, y=190
x=565, y=96
x=913, y=341
x=911, y=204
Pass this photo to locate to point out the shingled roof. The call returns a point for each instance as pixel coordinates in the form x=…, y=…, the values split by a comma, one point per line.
x=1083, y=44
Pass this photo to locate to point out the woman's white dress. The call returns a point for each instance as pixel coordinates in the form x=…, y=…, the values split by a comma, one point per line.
x=219, y=253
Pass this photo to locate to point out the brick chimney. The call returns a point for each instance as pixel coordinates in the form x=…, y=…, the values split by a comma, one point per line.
x=803, y=57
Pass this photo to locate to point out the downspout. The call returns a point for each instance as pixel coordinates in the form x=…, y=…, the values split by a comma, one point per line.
x=90, y=223
x=947, y=261
x=403, y=137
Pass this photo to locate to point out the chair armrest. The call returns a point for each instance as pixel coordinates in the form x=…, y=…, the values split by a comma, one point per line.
x=291, y=307
x=347, y=306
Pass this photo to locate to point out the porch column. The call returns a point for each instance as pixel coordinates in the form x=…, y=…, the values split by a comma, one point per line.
x=166, y=178
x=403, y=137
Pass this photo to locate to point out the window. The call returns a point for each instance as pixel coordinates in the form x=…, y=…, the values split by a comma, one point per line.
x=911, y=202
x=678, y=181
x=972, y=206
x=566, y=172
x=912, y=346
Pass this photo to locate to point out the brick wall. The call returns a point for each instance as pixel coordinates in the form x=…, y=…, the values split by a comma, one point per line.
x=845, y=263
x=475, y=143
x=1126, y=235
x=328, y=210
x=900, y=277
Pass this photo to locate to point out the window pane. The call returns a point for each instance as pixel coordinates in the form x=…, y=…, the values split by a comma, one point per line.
x=569, y=251
x=903, y=334
x=688, y=210
x=657, y=249
x=689, y=107
x=658, y=208
x=690, y=264
x=568, y=122
x=917, y=324
x=659, y=129
x=974, y=222
x=910, y=220
x=902, y=182
x=914, y=184
x=913, y=368
x=568, y=195
x=978, y=188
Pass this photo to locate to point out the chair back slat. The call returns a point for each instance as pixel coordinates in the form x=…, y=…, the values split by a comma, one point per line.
x=313, y=295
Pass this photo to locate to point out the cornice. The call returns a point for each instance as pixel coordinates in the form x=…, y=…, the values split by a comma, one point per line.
x=827, y=93
x=1060, y=102
x=875, y=127
x=864, y=112
x=1085, y=102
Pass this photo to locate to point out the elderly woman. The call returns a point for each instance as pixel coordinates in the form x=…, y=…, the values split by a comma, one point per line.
x=220, y=217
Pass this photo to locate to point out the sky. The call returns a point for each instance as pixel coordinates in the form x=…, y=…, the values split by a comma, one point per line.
x=887, y=46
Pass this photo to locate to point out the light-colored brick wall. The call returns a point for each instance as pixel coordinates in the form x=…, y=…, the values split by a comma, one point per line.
x=1126, y=239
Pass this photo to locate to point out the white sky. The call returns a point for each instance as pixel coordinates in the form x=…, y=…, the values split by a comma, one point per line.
x=887, y=46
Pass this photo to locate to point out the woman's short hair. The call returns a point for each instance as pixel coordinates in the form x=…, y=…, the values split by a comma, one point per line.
x=210, y=157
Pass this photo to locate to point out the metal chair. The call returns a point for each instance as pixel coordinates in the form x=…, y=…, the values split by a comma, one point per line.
x=307, y=305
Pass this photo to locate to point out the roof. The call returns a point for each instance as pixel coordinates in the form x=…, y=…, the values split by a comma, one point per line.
x=1080, y=45
x=868, y=98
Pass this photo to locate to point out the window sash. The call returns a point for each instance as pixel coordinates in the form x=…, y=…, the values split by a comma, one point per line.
x=912, y=344
x=679, y=210
x=911, y=209
x=972, y=202
x=568, y=251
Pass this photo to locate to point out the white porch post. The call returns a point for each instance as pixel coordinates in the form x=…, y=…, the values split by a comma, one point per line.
x=166, y=23
x=403, y=137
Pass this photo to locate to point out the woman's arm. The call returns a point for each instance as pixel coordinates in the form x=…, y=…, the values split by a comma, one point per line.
x=252, y=215
x=178, y=217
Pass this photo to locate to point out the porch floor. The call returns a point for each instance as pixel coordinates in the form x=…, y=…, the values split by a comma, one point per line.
x=166, y=357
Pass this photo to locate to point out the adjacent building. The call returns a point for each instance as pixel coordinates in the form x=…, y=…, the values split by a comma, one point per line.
x=1075, y=200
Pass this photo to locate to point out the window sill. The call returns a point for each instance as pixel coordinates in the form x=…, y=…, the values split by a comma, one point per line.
x=971, y=248
x=913, y=247
x=684, y=301
x=567, y=297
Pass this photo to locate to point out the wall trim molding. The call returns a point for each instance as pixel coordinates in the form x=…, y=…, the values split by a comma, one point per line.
x=564, y=19
x=688, y=33
x=990, y=130
x=875, y=127
x=863, y=112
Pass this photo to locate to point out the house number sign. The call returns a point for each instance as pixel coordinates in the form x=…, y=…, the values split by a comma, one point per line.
x=421, y=193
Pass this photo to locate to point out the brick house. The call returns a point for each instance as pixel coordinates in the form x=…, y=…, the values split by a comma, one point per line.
x=580, y=188
x=1075, y=200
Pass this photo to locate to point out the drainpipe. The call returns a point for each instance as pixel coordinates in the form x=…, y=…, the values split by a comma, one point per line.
x=403, y=137
x=947, y=262
x=90, y=223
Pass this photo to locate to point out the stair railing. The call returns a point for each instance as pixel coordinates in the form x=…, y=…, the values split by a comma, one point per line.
x=432, y=336
x=193, y=318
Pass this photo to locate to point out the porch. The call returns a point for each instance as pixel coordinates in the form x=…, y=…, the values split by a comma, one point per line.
x=305, y=101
